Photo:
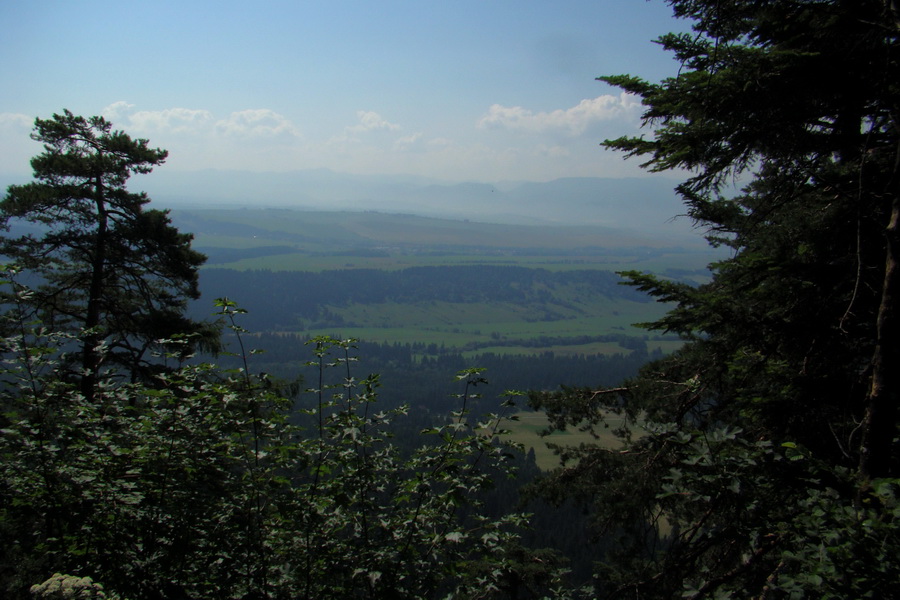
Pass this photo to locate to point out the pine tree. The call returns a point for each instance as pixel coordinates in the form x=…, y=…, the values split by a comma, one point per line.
x=100, y=266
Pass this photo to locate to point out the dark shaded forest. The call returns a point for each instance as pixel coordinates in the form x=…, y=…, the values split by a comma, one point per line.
x=419, y=374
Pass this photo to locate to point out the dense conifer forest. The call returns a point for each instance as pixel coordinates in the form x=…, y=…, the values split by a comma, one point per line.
x=150, y=451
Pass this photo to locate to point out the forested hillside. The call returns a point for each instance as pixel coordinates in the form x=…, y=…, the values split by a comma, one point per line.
x=131, y=459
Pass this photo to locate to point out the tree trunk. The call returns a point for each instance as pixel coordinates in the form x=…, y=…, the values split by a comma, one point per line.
x=91, y=357
x=880, y=420
x=879, y=424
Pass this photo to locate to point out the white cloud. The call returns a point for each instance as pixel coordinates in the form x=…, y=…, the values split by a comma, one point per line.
x=553, y=151
x=408, y=141
x=16, y=145
x=260, y=122
x=16, y=123
x=571, y=121
x=174, y=120
x=370, y=128
x=116, y=111
x=197, y=138
x=372, y=121
x=170, y=120
x=263, y=140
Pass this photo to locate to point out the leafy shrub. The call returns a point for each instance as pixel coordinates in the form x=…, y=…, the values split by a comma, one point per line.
x=213, y=484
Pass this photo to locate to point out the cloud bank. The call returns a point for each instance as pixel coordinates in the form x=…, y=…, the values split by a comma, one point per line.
x=571, y=121
x=503, y=142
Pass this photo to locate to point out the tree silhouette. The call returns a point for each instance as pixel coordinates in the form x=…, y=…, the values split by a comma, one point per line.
x=99, y=265
x=772, y=434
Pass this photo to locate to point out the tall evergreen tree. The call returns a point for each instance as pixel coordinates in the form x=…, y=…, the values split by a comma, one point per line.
x=100, y=266
x=773, y=431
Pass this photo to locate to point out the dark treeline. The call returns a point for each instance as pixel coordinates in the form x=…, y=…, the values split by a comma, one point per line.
x=421, y=375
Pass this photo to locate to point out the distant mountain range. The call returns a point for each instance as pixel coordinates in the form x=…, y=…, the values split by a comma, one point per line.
x=644, y=203
x=648, y=205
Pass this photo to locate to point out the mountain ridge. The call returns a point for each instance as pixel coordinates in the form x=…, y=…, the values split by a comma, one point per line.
x=633, y=203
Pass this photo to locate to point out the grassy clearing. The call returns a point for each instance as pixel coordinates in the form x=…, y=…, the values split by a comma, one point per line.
x=487, y=327
x=527, y=431
x=322, y=241
x=303, y=261
x=596, y=315
x=392, y=335
x=317, y=230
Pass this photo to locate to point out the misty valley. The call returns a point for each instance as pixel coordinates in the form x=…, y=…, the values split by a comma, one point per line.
x=370, y=383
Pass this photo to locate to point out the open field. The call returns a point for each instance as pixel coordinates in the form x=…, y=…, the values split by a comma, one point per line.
x=289, y=240
x=526, y=430
x=592, y=349
x=477, y=328
x=319, y=230
x=300, y=261
x=473, y=343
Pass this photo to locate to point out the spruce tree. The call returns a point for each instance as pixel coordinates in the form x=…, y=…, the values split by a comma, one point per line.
x=771, y=435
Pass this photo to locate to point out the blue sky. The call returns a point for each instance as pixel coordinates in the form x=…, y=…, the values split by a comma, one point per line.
x=460, y=91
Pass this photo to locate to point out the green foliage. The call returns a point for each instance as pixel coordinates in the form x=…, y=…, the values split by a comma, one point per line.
x=209, y=483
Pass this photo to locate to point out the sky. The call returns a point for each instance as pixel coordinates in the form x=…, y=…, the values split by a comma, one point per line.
x=484, y=91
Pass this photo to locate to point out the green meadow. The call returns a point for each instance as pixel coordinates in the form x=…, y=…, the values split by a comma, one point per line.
x=297, y=260
x=528, y=430
x=477, y=328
